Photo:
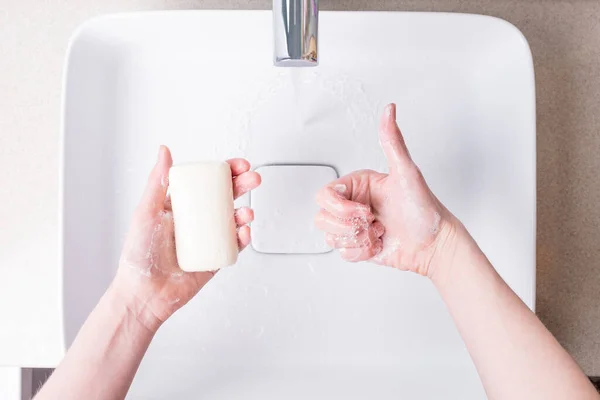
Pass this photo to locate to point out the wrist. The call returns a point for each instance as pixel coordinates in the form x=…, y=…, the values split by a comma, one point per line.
x=137, y=310
x=454, y=246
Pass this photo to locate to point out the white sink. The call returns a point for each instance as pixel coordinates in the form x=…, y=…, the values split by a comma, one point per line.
x=300, y=326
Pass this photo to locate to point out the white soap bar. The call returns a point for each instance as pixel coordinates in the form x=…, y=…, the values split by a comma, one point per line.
x=205, y=231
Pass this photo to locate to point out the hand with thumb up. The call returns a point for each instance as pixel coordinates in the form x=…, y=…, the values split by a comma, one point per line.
x=390, y=219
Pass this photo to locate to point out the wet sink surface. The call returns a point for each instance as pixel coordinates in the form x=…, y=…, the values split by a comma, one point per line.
x=298, y=326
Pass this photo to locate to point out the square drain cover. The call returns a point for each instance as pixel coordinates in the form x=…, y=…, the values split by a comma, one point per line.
x=285, y=208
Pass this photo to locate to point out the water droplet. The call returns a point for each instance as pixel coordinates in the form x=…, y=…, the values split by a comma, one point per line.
x=261, y=332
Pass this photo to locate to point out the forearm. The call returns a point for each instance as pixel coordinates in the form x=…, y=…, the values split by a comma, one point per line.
x=515, y=355
x=104, y=357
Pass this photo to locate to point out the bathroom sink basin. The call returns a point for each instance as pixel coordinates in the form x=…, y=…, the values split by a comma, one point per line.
x=302, y=325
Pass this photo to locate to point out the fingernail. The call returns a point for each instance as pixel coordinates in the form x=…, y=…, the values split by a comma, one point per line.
x=340, y=188
x=379, y=230
x=386, y=123
x=390, y=110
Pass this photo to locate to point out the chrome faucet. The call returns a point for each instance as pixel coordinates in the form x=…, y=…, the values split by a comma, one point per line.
x=295, y=30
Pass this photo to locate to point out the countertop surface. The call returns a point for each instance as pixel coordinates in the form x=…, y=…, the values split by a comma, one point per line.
x=565, y=40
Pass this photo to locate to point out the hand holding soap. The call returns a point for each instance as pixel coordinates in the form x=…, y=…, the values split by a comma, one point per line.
x=203, y=212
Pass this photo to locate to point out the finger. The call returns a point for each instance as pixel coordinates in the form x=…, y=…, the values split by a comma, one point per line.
x=392, y=142
x=243, y=216
x=361, y=253
x=378, y=229
x=333, y=200
x=326, y=222
x=243, y=237
x=155, y=193
x=365, y=238
x=353, y=183
x=245, y=182
x=238, y=166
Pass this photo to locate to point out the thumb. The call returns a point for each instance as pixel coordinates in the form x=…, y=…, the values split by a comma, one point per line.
x=392, y=142
x=158, y=182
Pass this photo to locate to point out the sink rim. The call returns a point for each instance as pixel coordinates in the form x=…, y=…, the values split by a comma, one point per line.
x=82, y=31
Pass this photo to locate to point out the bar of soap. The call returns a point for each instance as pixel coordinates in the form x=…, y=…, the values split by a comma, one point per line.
x=205, y=231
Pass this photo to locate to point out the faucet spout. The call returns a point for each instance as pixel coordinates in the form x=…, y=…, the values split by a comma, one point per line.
x=295, y=30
